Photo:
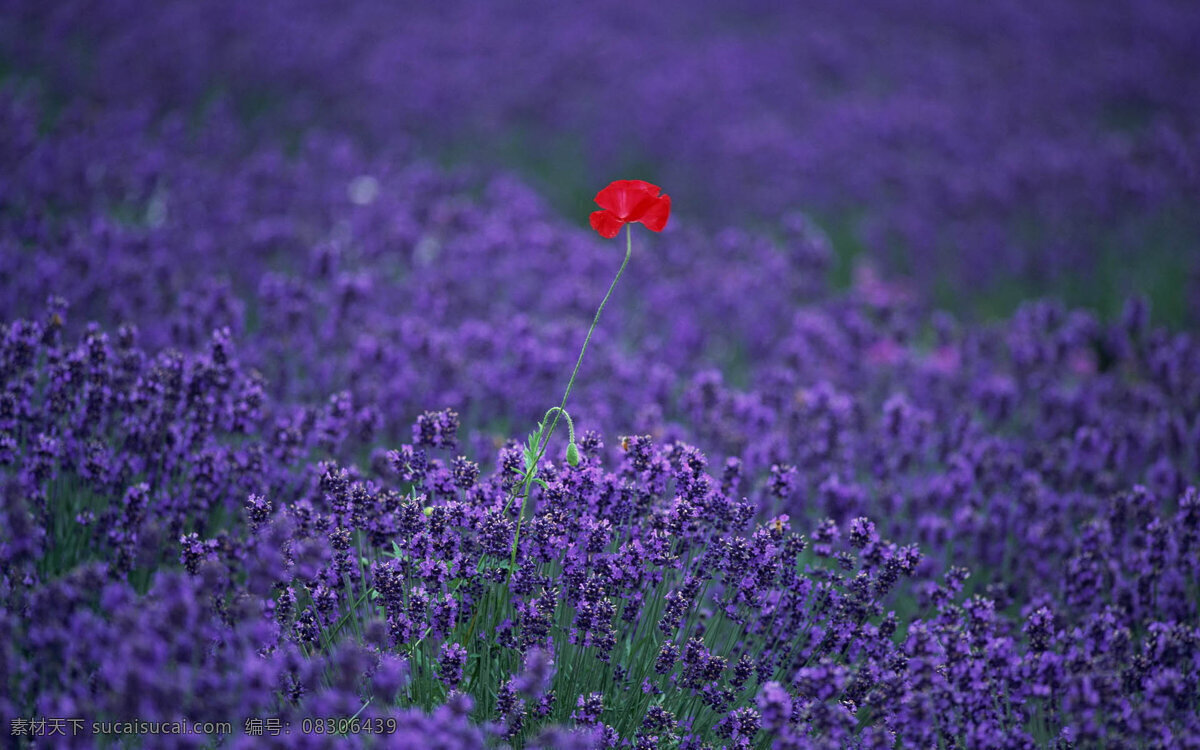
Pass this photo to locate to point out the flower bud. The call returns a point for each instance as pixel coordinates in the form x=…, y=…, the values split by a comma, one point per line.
x=572, y=454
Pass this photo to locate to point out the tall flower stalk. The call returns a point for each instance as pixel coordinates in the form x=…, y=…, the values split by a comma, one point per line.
x=622, y=203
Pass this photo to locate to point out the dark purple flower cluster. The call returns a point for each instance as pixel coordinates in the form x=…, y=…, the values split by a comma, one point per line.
x=112, y=453
x=681, y=620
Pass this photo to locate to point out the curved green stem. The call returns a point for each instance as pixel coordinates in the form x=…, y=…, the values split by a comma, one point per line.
x=561, y=408
x=588, y=338
x=570, y=424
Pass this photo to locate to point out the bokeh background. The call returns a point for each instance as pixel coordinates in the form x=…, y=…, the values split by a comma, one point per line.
x=983, y=153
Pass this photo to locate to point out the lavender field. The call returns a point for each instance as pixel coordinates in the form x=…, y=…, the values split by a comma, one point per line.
x=885, y=435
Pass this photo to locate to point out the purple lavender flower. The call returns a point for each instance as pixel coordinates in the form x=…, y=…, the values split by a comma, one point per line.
x=450, y=664
x=588, y=709
x=436, y=430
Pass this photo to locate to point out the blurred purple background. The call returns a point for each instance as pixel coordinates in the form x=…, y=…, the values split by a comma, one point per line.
x=984, y=152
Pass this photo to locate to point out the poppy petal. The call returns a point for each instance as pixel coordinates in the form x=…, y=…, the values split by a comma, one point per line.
x=607, y=224
x=622, y=197
x=636, y=213
x=655, y=216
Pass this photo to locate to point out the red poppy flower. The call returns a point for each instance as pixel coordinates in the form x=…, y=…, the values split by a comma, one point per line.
x=626, y=201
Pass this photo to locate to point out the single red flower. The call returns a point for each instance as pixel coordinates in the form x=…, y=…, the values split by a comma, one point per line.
x=626, y=201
